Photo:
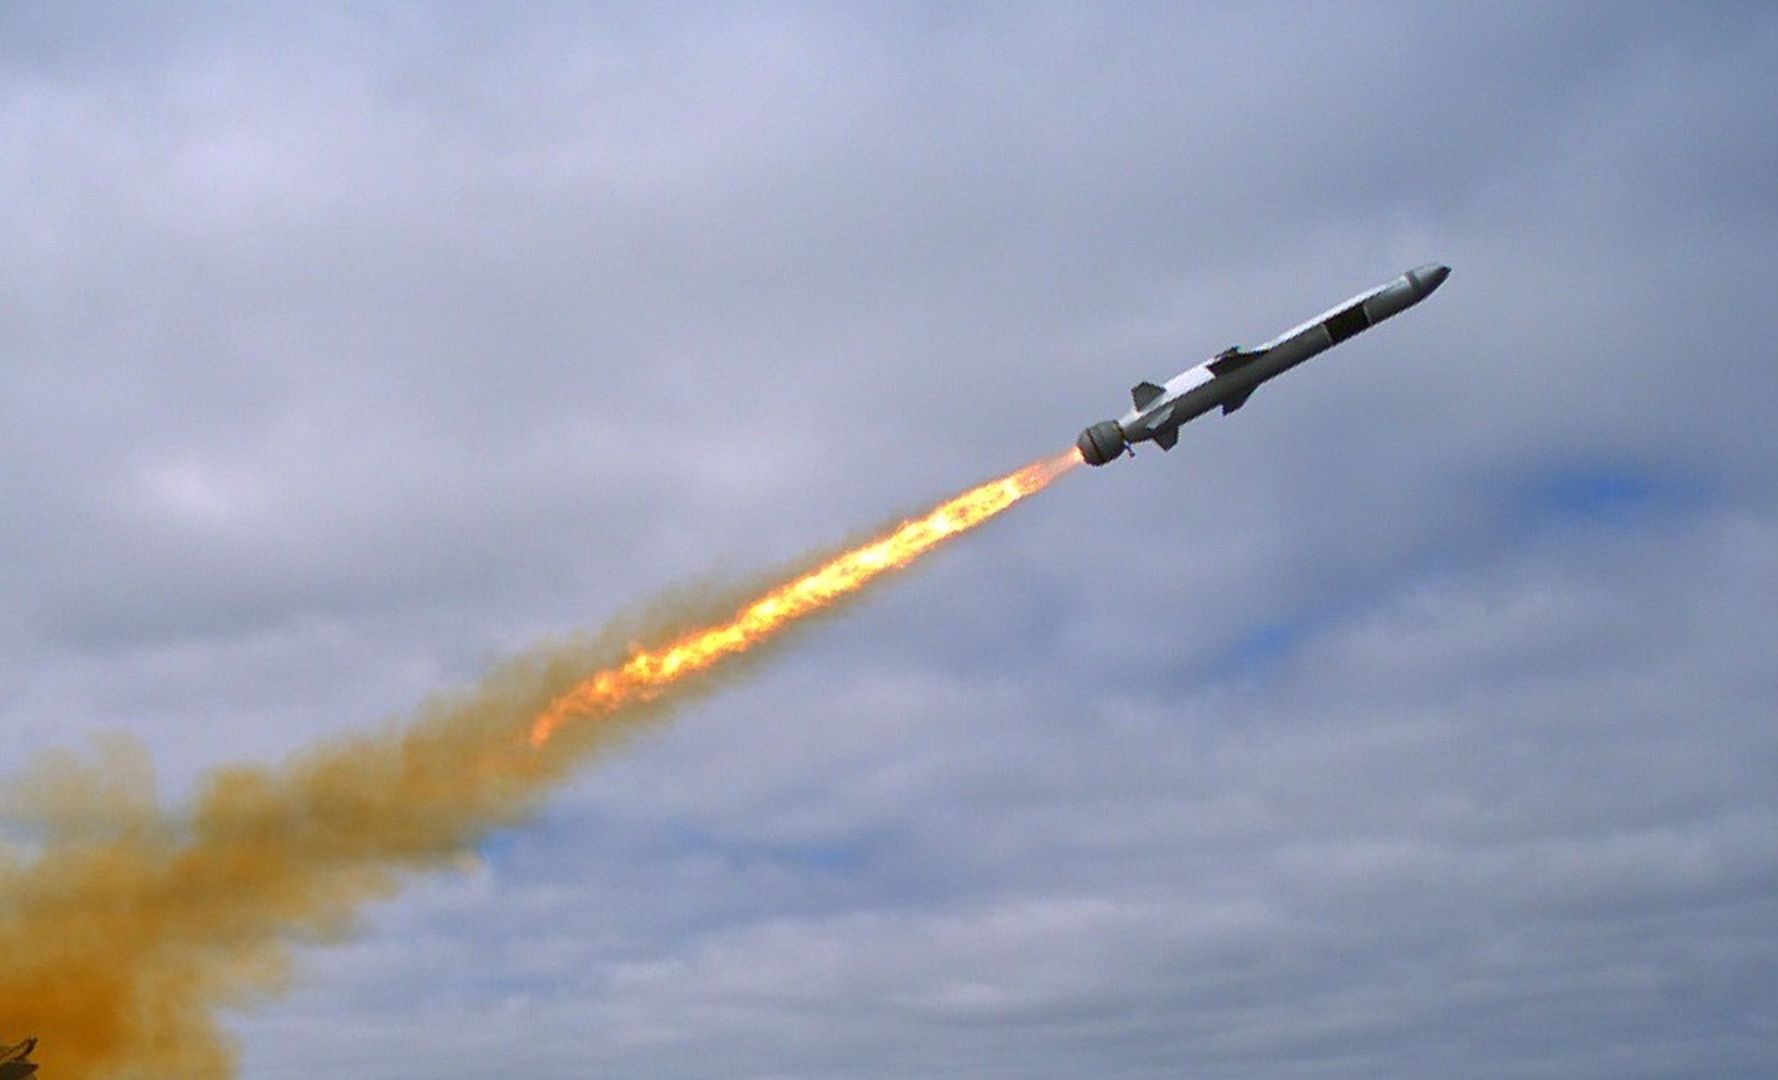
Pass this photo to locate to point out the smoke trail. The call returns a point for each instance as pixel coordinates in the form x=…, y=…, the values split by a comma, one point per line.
x=125, y=929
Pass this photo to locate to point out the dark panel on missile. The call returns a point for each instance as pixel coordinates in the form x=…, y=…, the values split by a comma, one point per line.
x=1346, y=323
x=1232, y=359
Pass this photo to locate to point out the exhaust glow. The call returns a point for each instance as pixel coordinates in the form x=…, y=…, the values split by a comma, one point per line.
x=649, y=671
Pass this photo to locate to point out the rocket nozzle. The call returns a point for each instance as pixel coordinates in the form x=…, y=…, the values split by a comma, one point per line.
x=1101, y=442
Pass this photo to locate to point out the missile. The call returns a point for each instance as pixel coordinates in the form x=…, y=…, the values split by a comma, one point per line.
x=1229, y=378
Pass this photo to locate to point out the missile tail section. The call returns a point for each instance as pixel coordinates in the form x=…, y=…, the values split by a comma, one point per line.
x=1101, y=442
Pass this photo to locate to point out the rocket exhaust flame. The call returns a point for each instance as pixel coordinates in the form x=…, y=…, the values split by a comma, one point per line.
x=123, y=929
x=644, y=674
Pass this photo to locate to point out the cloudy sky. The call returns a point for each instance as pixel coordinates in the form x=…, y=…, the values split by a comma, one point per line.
x=1416, y=721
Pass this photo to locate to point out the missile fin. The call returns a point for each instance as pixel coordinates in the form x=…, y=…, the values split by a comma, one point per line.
x=1144, y=393
x=1166, y=437
x=1238, y=400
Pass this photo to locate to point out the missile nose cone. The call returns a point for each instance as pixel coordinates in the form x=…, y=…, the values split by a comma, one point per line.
x=1427, y=278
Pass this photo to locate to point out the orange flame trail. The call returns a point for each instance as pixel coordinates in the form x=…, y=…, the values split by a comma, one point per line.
x=125, y=928
x=648, y=672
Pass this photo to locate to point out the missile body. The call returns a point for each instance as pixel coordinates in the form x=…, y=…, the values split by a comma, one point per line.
x=1229, y=377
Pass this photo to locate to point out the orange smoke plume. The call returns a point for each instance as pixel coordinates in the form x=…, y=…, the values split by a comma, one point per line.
x=124, y=928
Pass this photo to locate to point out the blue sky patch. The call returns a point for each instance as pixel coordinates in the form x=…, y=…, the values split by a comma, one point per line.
x=1602, y=493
